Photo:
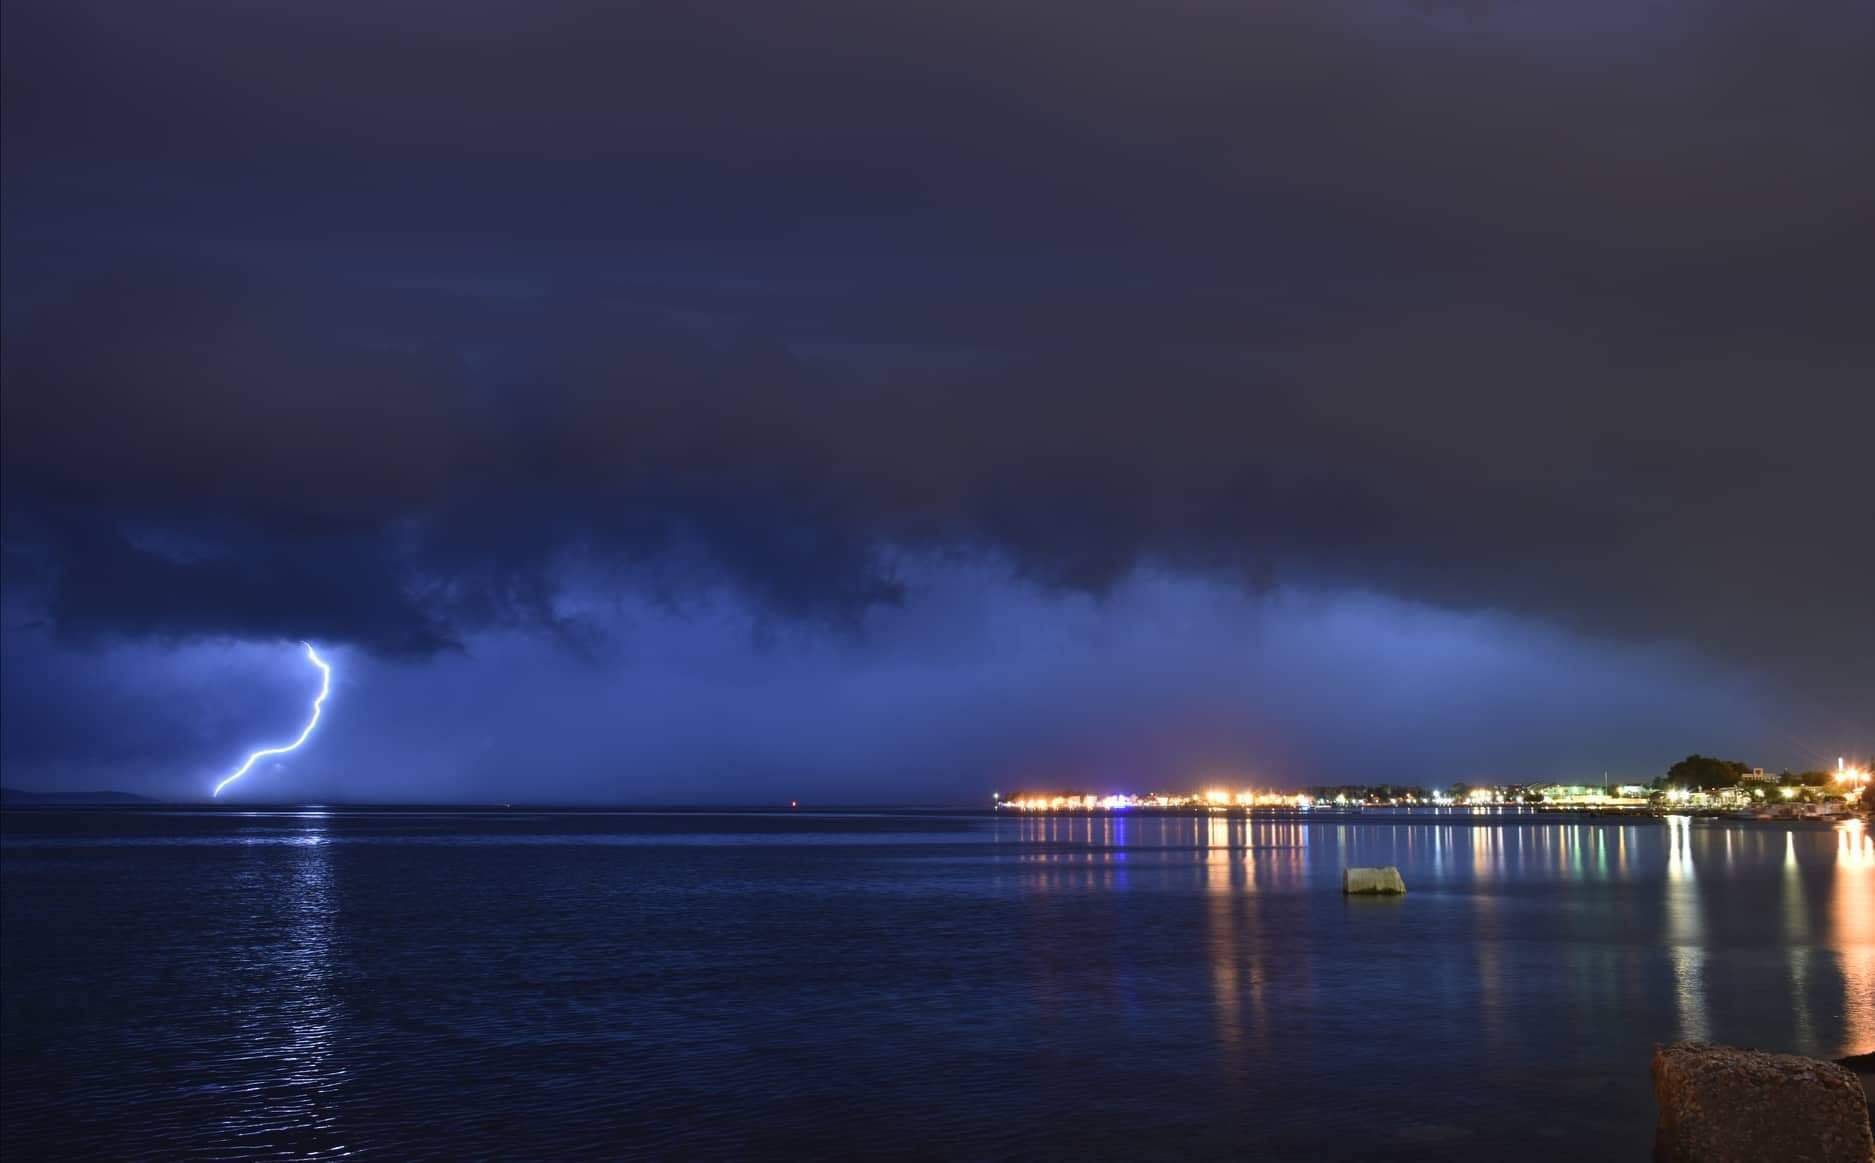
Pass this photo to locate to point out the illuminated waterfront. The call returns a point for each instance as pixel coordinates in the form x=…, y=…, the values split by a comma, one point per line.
x=1841, y=795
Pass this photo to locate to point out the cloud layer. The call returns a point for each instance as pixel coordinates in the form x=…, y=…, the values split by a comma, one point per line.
x=400, y=327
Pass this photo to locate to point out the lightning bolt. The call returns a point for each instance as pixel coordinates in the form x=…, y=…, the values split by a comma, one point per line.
x=325, y=688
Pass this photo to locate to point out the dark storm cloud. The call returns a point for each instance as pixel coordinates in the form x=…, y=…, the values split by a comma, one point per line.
x=1557, y=312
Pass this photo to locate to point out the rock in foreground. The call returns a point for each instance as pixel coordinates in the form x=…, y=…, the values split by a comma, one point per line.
x=1382, y=881
x=1719, y=1104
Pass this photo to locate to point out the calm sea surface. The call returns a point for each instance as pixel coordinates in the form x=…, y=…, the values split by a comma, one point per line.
x=406, y=984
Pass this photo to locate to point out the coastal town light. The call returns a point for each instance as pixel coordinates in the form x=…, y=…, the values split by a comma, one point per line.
x=1850, y=775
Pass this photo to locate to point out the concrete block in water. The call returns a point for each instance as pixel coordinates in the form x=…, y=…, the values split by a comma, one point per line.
x=1372, y=881
x=1720, y=1104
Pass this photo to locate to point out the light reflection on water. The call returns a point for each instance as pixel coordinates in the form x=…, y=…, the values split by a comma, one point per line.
x=1852, y=915
x=1701, y=868
x=319, y=983
x=1685, y=933
x=288, y=1009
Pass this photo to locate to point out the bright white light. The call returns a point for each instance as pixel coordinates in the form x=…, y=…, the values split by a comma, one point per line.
x=325, y=688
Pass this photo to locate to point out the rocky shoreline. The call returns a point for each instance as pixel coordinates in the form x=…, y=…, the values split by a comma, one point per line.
x=1863, y=1067
x=1724, y=1104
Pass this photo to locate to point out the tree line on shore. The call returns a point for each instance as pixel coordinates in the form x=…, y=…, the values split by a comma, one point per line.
x=1704, y=773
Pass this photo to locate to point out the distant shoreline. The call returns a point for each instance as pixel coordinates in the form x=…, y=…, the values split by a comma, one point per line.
x=1377, y=815
x=16, y=797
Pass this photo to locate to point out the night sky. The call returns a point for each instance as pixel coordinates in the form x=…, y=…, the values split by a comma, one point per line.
x=859, y=401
